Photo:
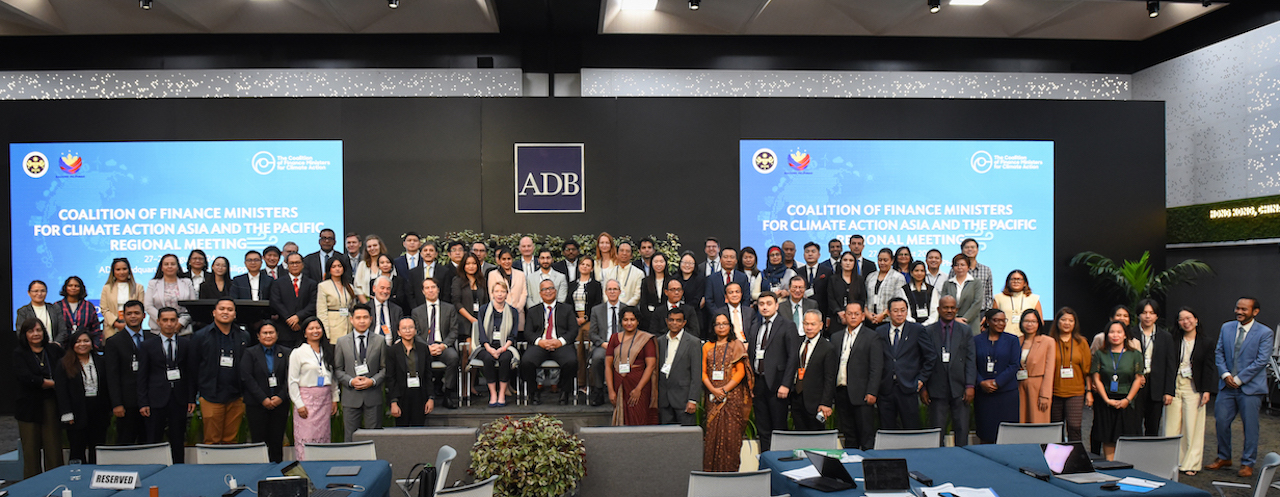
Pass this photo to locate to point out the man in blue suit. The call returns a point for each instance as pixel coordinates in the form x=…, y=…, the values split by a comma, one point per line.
x=908, y=362
x=716, y=282
x=1244, y=347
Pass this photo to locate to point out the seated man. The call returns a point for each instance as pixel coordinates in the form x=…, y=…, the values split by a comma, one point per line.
x=436, y=323
x=675, y=300
x=549, y=328
x=604, y=324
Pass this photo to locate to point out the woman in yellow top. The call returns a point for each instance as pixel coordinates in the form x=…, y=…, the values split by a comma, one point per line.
x=1017, y=298
x=334, y=298
x=1071, y=369
x=1035, y=378
x=724, y=370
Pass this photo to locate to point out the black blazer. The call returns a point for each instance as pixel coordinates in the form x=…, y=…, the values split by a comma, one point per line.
x=394, y=315
x=595, y=295
x=462, y=299
x=692, y=324
x=254, y=373
x=781, y=356
x=651, y=295
x=284, y=304
x=445, y=274
x=840, y=293
x=563, y=267
x=58, y=332
x=154, y=387
x=1162, y=379
x=240, y=289
x=28, y=406
x=1204, y=371
x=535, y=323
x=399, y=290
x=311, y=266
x=910, y=361
x=865, y=365
x=818, y=388
x=71, y=396
x=206, y=357
x=122, y=380
x=961, y=370
x=695, y=289
x=209, y=290
x=818, y=285
x=442, y=274
x=397, y=364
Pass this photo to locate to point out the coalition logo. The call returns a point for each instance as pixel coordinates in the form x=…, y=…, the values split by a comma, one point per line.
x=764, y=160
x=35, y=164
x=71, y=164
x=798, y=160
x=981, y=162
x=264, y=162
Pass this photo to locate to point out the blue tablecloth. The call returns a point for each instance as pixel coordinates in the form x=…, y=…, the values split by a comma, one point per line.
x=40, y=485
x=203, y=480
x=375, y=476
x=1030, y=455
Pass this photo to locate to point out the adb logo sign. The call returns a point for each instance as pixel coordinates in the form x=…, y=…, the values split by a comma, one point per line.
x=981, y=162
x=549, y=177
x=264, y=162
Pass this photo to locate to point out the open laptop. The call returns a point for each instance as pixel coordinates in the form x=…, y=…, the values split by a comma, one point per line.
x=1071, y=462
x=831, y=477
x=886, y=477
x=295, y=483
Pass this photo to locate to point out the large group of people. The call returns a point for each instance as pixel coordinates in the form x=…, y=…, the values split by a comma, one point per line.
x=802, y=344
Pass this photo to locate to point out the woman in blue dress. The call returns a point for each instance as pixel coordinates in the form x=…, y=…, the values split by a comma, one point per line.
x=996, y=355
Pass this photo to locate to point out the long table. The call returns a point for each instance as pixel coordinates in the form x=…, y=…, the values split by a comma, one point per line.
x=43, y=483
x=199, y=480
x=1029, y=455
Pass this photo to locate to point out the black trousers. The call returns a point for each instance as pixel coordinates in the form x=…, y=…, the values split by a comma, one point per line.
x=899, y=410
x=804, y=420
x=170, y=419
x=267, y=426
x=87, y=434
x=132, y=428
x=566, y=356
x=771, y=412
x=855, y=422
x=1151, y=411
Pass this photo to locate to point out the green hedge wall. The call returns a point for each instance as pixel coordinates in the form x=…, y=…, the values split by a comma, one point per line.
x=1192, y=224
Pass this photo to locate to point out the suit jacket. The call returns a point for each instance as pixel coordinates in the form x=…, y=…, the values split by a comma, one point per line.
x=400, y=293
x=533, y=280
x=71, y=394
x=818, y=387
x=715, y=288
x=154, y=387
x=397, y=371
x=1204, y=373
x=110, y=306
x=285, y=304
x=692, y=325
x=1162, y=379
x=518, y=263
x=254, y=373
x=599, y=323
x=960, y=371
x=817, y=288
x=969, y=300
x=749, y=316
x=462, y=298
x=445, y=273
x=311, y=265
x=345, y=360
x=241, y=289
x=780, y=352
x=207, y=356
x=908, y=362
x=446, y=322
x=865, y=365
x=1041, y=361
x=394, y=315
x=651, y=295
x=121, y=380
x=785, y=310
x=29, y=403
x=595, y=295
x=401, y=265
x=57, y=327
x=209, y=290
x=684, y=383
x=565, y=321
x=562, y=266
x=155, y=301
x=1251, y=367
x=868, y=267
x=645, y=269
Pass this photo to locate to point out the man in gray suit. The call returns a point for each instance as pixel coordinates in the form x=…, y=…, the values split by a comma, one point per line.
x=436, y=323
x=534, y=277
x=950, y=387
x=796, y=304
x=860, y=352
x=604, y=323
x=679, y=372
x=358, y=361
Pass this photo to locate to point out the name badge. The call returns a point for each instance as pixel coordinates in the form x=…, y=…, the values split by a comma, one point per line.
x=90, y=391
x=413, y=382
x=134, y=365
x=624, y=368
x=717, y=375
x=1115, y=383
x=946, y=357
x=475, y=307
x=173, y=374
x=362, y=369
x=666, y=368
x=226, y=361
x=271, y=381
x=760, y=354
x=991, y=366
x=344, y=312
x=1067, y=373
x=1022, y=374
x=1185, y=372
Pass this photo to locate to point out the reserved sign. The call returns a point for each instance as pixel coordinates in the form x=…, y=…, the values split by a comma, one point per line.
x=115, y=480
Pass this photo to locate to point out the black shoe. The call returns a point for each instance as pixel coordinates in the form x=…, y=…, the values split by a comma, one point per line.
x=564, y=398
x=451, y=403
x=536, y=397
x=597, y=399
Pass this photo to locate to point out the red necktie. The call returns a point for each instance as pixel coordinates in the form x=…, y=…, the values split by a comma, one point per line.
x=550, y=322
x=295, y=287
x=727, y=278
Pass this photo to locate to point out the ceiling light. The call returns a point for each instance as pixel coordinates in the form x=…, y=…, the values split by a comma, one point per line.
x=393, y=4
x=695, y=4
x=970, y=3
x=1153, y=8
x=639, y=4
x=935, y=6
x=144, y=4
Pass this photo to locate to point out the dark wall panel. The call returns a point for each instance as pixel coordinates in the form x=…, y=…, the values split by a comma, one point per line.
x=1238, y=271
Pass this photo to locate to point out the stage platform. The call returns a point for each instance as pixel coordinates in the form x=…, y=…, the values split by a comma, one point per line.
x=479, y=412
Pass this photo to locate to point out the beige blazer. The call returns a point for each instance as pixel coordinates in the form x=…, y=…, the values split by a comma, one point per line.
x=110, y=308
x=1040, y=362
x=330, y=300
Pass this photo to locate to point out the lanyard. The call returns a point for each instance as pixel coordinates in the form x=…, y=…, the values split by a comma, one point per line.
x=319, y=359
x=630, y=345
x=719, y=363
x=1115, y=366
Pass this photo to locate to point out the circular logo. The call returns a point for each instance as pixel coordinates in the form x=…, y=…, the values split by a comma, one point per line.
x=35, y=164
x=264, y=162
x=981, y=162
x=764, y=160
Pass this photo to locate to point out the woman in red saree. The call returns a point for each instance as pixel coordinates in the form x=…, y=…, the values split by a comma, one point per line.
x=726, y=374
x=631, y=359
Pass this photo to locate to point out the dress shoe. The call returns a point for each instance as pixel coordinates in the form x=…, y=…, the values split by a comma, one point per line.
x=564, y=398
x=1219, y=464
x=597, y=398
x=1245, y=472
x=536, y=397
x=450, y=403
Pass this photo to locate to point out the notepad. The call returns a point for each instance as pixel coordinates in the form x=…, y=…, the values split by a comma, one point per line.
x=343, y=471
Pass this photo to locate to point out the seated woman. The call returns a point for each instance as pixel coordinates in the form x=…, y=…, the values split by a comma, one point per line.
x=493, y=339
x=630, y=358
x=726, y=374
x=409, y=387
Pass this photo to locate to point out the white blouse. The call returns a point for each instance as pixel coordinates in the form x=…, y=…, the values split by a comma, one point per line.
x=305, y=369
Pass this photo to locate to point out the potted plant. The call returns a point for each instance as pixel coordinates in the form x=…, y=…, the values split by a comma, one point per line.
x=532, y=456
x=1133, y=281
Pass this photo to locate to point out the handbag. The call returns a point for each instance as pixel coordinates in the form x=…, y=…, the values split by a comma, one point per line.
x=425, y=478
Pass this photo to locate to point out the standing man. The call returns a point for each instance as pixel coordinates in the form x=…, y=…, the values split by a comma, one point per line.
x=675, y=297
x=317, y=261
x=480, y=250
x=863, y=266
x=950, y=387
x=773, y=347
x=220, y=353
x=1160, y=354
x=358, y=363
x=741, y=316
x=550, y=328
x=932, y=263
x=351, y=242
x=712, y=264
x=680, y=375
x=534, y=277
x=834, y=248
x=861, y=353
x=271, y=259
x=1244, y=348
x=813, y=274
x=450, y=270
x=796, y=304
x=412, y=258
x=436, y=325
x=429, y=268
x=789, y=254
x=645, y=262
x=604, y=324
x=721, y=279
x=527, y=261
x=253, y=285
x=908, y=362
x=121, y=373
x=815, y=377
x=629, y=278
x=166, y=390
x=265, y=377
x=293, y=299
x=569, y=265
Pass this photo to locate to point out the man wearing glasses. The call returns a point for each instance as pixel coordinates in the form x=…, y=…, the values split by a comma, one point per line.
x=293, y=299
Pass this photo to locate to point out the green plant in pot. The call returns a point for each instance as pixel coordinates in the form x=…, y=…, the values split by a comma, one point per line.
x=533, y=457
x=1133, y=281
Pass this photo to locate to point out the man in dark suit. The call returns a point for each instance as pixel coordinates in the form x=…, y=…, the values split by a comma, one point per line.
x=265, y=376
x=950, y=387
x=254, y=285
x=679, y=373
x=481, y=250
x=741, y=315
x=166, y=384
x=385, y=312
x=773, y=347
x=815, y=377
x=436, y=322
x=568, y=266
x=675, y=296
x=645, y=262
x=429, y=266
x=1161, y=360
x=908, y=361
x=317, y=263
x=794, y=304
x=549, y=339
x=120, y=370
x=717, y=282
x=834, y=248
x=815, y=277
x=358, y=367
x=450, y=269
x=604, y=324
x=412, y=257
x=293, y=299
x=219, y=352
x=860, y=353
x=526, y=255
x=864, y=265
x=712, y=264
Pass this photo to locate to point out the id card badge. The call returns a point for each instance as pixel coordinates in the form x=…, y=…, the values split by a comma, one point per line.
x=717, y=375
x=1115, y=383
x=1185, y=372
x=946, y=357
x=666, y=368
x=321, y=381
x=134, y=365
x=90, y=391
x=624, y=368
x=414, y=382
x=1067, y=373
x=475, y=307
x=1022, y=374
x=760, y=354
x=226, y=361
x=991, y=366
x=344, y=312
x=271, y=381
x=173, y=374
x=362, y=369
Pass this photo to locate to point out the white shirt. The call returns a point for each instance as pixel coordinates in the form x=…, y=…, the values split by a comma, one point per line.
x=935, y=279
x=42, y=313
x=273, y=272
x=673, y=343
x=305, y=368
x=382, y=317
x=713, y=265
x=766, y=324
x=845, y=347
x=413, y=261
x=253, y=287
x=570, y=269
x=122, y=294
x=434, y=307
x=804, y=358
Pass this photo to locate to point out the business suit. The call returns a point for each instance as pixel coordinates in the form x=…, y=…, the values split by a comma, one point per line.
x=90, y=416
x=155, y=301
x=36, y=409
x=954, y=372
x=787, y=310
x=908, y=363
x=776, y=370
x=599, y=333
x=386, y=318
x=748, y=316
x=532, y=279
x=57, y=329
x=714, y=292
x=412, y=401
x=568, y=268
x=865, y=266
x=121, y=365
x=1249, y=367
x=445, y=273
x=817, y=387
x=535, y=329
x=593, y=296
x=1185, y=414
x=401, y=264
x=1160, y=379
x=266, y=425
x=167, y=399
x=221, y=402
x=242, y=289
x=682, y=383
x=400, y=290
x=646, y=268
x=318, y=271
x=658, y=321
x=968, y=299
x=652, y=295
x=446, y=332
x=360, y=404
x=209, y=289
x=285, y=303
x=816, y=286
x=862, y=363
x=840, y=293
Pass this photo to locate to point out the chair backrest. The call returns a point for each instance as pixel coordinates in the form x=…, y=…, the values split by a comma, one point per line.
x=792, y=440
x=1030, y=433
x=909, y=439
x=1268, y=466
x=444, y=459
x=477, y=489
x=157, y=453
x=232, y=454
x=748, y=484
x=342, y=451
x=1155, y=455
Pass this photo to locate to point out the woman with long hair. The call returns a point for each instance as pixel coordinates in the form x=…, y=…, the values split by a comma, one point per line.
x=902, y=260
x=469, y=289
x=165, y=289
x=82, y=398
x=996, y=356
x=1016, y=298
x=1117, y=375
x=1035, y=378
x=652, y=294
x=334, y=299
x=845, y=287
x=630, y=360
x=1197, y=378
x=312, y=388
x=120, y=287
x=367, y=269
x=727, y=378
x=606, y=254
x=747, y=264
x=78, y=314
x=36, y=405
x=922, y=298
x=694, y=283
x=1072, y=362
x=517, y=290
x=218, y=284
x=584, y=294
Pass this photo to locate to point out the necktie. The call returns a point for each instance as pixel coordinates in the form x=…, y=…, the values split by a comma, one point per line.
x=169, y=353
x=324, y=262
x=413, y=262
x=137, y=341
x=764, y=340
x=804, y=357
x=270, y=354
x=811, y=275
x=737, y=323
x=382, y=315
x=362, y=351
x=295, y=286
x=728, y=278
x=897, y=333
x=858, y=265
x=551, y=325
x=613, y=325
x=795, y=312
x=431, y=322
x=1239, y=340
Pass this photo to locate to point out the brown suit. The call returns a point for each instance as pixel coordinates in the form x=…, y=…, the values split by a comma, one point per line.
x=1039, y=383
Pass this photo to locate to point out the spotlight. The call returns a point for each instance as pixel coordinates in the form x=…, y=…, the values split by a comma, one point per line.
x=144, y=4
x=393, y=3
x=1153, y=8
x=695, y=4
x=935, y=6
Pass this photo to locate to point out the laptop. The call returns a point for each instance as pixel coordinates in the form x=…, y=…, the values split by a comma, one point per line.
x=295, y=483
x=1071, y=462
x=832, y=476
x=886, y=477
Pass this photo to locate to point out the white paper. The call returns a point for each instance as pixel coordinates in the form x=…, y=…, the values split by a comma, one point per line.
x=802, y=473
x=850, y=458
x=1139, y=482
x=956, y=491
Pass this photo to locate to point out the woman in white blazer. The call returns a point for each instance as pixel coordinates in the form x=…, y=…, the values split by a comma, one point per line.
x=166, y=289
x=119, y=288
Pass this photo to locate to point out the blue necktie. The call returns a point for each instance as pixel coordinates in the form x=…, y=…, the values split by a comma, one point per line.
x=137, y=341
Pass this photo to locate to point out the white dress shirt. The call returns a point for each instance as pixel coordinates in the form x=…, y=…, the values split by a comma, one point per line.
x=845, y=347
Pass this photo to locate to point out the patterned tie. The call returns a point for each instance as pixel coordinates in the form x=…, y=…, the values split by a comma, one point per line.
x=551, y=325
x=295, y=286
x=1239, y=342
